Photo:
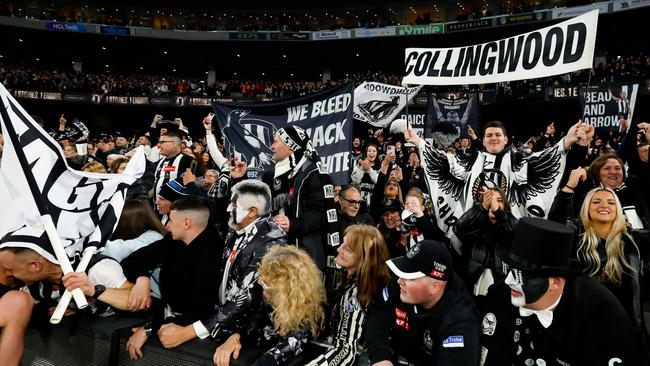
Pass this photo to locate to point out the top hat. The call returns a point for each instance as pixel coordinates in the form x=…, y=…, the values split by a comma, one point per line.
x=541, y=247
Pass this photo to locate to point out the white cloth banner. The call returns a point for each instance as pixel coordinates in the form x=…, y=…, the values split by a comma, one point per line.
x=85, y=207
x=554, y=50
x=379, y=104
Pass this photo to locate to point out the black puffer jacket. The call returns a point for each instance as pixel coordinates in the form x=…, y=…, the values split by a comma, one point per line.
x=483, y=243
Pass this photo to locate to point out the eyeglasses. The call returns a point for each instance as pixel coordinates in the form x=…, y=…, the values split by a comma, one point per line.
x=163, y=141
x=352, y=202
x=392, y=216
x=263, y=284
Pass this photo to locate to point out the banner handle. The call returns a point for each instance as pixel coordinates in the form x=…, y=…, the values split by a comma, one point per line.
x=61, y=255
x=67, y=295
x=584, y=110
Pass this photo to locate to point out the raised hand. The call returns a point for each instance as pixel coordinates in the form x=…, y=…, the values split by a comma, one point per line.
x=412, y=137
x=471, y=133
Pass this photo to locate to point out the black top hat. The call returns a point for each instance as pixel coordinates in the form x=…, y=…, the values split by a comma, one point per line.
x=426, y=258
x=169, y=125
x=541, y=247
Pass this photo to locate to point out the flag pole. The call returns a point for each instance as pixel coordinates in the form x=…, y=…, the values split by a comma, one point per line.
x=584, y=110
x=46, y=219
x=62, y=306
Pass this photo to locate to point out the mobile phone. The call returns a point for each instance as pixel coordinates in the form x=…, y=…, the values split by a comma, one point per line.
x=390, y=150
x=211, y=116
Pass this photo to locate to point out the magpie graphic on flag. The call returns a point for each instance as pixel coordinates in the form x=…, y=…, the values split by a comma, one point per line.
x=379, y=104
x=251, y=138
x=36, y=181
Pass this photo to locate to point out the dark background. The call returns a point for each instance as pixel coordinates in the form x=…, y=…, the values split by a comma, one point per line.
x=618, y=33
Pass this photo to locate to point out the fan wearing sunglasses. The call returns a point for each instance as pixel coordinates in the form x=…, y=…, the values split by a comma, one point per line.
x=351, y=209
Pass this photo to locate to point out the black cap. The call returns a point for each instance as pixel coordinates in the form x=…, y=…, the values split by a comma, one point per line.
x=391, y=205
x=173, y=190
x=426, y=258
x=541, y=247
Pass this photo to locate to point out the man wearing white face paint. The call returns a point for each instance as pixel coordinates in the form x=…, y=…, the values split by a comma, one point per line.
x=545, y=314
x=251, y=234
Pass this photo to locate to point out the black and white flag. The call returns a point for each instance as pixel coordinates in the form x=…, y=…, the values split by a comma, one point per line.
x=36, y=180
x=378, y=104
x=326, y=117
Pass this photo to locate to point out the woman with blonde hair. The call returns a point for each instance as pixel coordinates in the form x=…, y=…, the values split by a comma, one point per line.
x=363, y=257
x=293, y=288
x=605, y=249
x=94, y=167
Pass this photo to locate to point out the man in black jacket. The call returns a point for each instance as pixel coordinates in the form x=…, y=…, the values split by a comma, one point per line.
x=426, y=316
x=251, y=234
x=350, y=212
x=303, y=195
x=189, y=270
x=544, y=314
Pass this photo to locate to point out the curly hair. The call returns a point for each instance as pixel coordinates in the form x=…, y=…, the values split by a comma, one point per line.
x=371, y=272
x=295, y=289
x=614, y=243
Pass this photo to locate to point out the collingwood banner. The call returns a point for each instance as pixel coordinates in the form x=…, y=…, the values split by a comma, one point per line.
x=609, y=107
x=458, y=108
x=85, y=207
x=378, y=104
x=554, y=50
x=326, y=116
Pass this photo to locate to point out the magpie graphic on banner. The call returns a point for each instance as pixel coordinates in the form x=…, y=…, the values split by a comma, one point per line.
x=36, y=180
x=376, y=110
x=326, y=116
x=379, y=104
x=240, y=131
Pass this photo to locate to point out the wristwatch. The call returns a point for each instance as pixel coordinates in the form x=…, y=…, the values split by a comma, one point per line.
x=99, y=290
x=148, y=328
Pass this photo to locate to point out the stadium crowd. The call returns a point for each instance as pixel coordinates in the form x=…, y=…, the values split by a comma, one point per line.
x=616, y=68
x=379, y=270
x=46, y=79
x=325, y=18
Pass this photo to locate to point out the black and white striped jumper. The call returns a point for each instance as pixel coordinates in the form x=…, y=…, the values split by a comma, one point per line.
x=352, y=318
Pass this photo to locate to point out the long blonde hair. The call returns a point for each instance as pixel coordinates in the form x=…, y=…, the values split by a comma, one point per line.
x=614, y=244
x=371, y=272
x=296, y=291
